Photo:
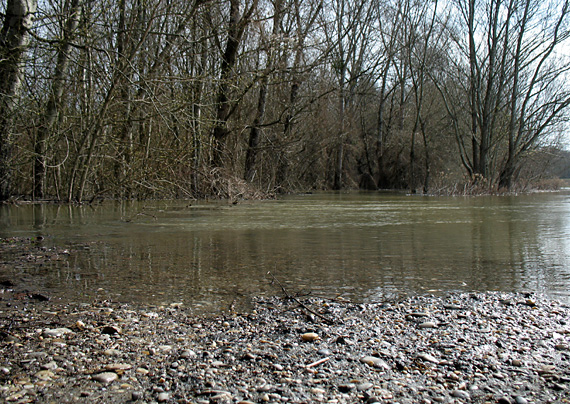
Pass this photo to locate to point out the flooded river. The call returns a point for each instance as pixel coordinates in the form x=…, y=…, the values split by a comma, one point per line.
x=361, y=246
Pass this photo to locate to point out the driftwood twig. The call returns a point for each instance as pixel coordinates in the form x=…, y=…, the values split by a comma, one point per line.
x=317, y=363
x=326, y=319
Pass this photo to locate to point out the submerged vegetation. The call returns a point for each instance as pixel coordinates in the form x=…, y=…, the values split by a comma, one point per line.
x=245, y=98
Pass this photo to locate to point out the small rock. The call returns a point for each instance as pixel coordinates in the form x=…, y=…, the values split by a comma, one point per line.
x=461, y=394
x=521, y=400
x=136, y=395
x=428, y=358
x=558, y=386
x=310, y=336
x=364, y=386
x=45, y=375
x=187, y=353
x=118, y=367
x=249, y=356
x=111, y=352
x=428, y=324
x=106, y=377
x=504, y=400
x=546, y=370
x=49, y=366
x=375, y=362
x=324, y=352
x=56, y=332
x=162, y=397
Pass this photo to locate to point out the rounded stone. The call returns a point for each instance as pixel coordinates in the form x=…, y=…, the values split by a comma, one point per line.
x=375, y=362
x=106, y=377
x=162, y=397
x=461, y=394
x=310, y=336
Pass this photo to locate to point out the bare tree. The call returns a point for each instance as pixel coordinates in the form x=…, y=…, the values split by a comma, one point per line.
x=513, y=77
x=237, y=24
x=538, y=101
x=14, y=40
x=54, y=98
x=270, y=44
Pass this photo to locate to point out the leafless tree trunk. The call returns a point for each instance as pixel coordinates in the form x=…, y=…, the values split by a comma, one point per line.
x=54, y=99
x=14, y=39
x=531, y=120
x=255, y=130
x=238, y=23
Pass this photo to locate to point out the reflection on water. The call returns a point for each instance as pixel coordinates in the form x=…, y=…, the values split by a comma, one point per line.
x=362, y=246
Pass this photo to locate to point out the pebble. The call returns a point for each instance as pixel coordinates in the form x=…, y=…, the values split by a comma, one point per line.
x=49, y=366
x=162, y=397
x=118, y=367
x=428, y=358
x=324, y=352
x=106, y=377
x=375, y=362
x=364, y=386
x=187, y=353
x=45, y=375
x=111, y=352
x=260, y=357
x=56, y=332
x=310, y=336
x=428, y=324
x=461, y=394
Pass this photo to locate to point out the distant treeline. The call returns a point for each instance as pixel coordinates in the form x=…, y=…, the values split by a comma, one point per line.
x=245, y=98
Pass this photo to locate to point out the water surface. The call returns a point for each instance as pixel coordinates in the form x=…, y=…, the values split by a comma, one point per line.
x=362, y=246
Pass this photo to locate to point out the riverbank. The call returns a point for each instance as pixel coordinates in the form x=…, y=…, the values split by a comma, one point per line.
x=477, y=348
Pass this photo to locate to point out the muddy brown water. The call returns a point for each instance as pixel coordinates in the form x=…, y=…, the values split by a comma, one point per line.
x=361, y=246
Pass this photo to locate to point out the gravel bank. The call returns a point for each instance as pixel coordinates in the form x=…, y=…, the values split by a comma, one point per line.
x=472, y=348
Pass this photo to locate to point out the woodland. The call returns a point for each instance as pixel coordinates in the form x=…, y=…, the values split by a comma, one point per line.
x=250, y=98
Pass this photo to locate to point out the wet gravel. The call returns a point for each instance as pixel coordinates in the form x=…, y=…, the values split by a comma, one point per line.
x=459, y=348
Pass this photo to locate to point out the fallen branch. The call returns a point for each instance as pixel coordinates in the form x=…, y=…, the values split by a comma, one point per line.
x=326, y=319
x=317, y=363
